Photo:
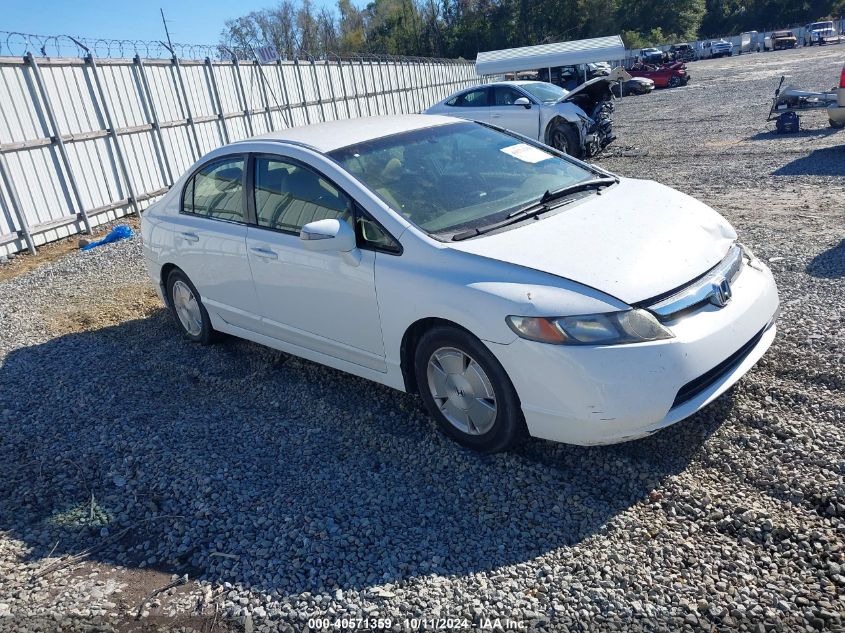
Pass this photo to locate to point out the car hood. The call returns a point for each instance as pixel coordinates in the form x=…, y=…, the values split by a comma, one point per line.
x=636, y=240
x=617, y=74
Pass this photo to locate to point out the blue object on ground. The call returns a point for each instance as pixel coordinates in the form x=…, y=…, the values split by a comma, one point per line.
x=120, y=232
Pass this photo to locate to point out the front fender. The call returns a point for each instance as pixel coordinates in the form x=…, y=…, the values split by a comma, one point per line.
x=570, y=113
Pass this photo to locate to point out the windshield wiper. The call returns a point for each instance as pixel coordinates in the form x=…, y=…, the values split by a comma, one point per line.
x=594, y=183
x=528, y=211
x=538, y=207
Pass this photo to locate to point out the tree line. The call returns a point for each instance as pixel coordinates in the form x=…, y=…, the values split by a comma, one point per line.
x=462, y=28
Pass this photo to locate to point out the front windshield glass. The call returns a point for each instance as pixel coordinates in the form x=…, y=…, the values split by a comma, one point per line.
x=544, y=92
x=818, y=26
x=451, y=178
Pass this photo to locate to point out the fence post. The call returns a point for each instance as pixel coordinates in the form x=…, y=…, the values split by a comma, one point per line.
x=317, y=86
x=104, y=106
x=284, y=86
x=152, y=117
x=392, y=91
x=331, y=88
x=382, y=83
x=174, y=61
x=215, y=96
x=343, y=87
x=267, y=110
x=242, y=95
x=415, y=69
x=375, y=89
x=429, y=83
x=366, y=90
x=358, y=108
x=57, y=139
x=302, y=90
x=409, y=97
x=16, y=205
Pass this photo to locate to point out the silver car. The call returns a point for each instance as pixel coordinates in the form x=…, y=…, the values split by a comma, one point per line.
x=577, y=122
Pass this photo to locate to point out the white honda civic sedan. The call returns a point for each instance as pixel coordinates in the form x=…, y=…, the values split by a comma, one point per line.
x=514, y=288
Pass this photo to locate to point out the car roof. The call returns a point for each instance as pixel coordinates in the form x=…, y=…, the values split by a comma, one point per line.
x=332, y=135
x=516, y=82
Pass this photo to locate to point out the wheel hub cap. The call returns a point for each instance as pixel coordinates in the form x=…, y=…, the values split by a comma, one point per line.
x=187, y=308
x=462, y=391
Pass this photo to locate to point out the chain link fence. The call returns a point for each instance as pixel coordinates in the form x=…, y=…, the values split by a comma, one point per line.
x=86, y=139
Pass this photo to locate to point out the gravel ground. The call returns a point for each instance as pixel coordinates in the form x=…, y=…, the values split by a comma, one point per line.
x=287, y=491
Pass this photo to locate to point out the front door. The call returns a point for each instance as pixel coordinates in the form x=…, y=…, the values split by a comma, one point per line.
x=322, y=301
x=517, y=118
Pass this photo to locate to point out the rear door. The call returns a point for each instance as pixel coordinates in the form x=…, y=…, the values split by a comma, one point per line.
x=210, y=239
x=504, y=112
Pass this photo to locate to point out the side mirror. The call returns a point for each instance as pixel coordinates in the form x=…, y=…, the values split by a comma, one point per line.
x=524, y=102
x=328, y=235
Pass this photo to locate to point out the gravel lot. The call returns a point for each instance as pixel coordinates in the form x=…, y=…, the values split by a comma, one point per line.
x=287, y=491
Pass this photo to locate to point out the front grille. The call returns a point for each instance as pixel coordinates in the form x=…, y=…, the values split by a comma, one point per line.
x=697, y=385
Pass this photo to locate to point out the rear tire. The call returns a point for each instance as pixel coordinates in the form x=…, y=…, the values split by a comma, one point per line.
x=467, y=390
x=566, y=139
x=836, y=124
x=187, y=309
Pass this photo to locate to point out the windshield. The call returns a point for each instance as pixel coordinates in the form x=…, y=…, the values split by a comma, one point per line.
x=459, y=176
x=544, y=92
x=818, y=26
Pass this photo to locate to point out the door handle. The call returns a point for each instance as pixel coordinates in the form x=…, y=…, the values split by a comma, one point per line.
x=189, y=237
x=495, y=116
x=264, y=253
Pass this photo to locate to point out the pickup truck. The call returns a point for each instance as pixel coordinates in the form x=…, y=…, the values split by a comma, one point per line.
x=717, y=48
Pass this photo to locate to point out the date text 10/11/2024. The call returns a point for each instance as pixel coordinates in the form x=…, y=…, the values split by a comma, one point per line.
x=415, y=624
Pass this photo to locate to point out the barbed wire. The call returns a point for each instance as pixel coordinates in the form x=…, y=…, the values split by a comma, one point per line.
x=18, y=44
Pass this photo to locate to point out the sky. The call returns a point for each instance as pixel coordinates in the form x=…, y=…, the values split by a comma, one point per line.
x=190, y=22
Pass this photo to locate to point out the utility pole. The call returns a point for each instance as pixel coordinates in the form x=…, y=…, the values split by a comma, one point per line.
x=166, y=31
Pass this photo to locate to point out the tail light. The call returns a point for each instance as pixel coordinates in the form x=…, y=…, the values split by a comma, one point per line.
x=842, y=78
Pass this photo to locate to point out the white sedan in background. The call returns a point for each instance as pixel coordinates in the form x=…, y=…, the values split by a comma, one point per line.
x=576, y=122
x=516, y=289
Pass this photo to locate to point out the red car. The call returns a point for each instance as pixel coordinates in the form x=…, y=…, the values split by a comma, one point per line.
x=666, y=76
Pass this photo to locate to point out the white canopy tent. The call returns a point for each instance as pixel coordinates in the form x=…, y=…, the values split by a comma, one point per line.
x=598, y=49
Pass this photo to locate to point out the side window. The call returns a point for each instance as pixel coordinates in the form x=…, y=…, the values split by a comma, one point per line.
x=504, y=96
x=372, y=235
x=216, y=191
x=472, y=99
x=289, y=196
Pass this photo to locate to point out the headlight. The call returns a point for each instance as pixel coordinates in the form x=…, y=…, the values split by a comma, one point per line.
x=613, y=328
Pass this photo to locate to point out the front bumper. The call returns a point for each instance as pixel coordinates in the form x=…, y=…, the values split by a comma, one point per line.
x=603, y=395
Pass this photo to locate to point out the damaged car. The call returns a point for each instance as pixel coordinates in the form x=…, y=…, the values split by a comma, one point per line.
x=666, y=76
x=577, y=122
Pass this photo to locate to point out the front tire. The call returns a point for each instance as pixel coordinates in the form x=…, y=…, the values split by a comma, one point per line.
x=674, y=82
x=467, y=390
x=566, y=139
x=187, y=309
x=836, y=124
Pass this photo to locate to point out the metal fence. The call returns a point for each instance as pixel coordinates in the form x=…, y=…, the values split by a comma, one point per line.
x=87, y=140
